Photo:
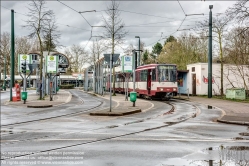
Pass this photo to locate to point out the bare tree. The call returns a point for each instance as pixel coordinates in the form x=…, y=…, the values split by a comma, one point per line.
x=219, y=29
x=114, y=29
x=237, y=49
x=22, y=46
x=51, y=35
x=129, y=50
x=77, y=57
x=97, y=48
x=239, y=11
x=5, y=50
x=38, y=17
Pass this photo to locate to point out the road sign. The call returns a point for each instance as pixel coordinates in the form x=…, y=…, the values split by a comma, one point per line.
x=62, y=70
x=127, y=63
x=33, y=66
x=51, y=64
x=22, y=58
x=114, y=58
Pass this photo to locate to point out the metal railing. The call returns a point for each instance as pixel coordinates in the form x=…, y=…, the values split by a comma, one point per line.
x=179, y=94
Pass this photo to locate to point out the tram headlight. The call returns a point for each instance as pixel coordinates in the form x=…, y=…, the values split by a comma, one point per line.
x=161, y=89
x=174, y=89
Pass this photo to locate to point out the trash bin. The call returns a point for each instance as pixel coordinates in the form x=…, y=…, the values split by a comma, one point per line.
x=24, y=95
x=57, y=89
x=133, y=96
x=236, y=93
x=103, y=88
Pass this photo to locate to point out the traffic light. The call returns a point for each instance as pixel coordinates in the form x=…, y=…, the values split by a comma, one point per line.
x=23, y=67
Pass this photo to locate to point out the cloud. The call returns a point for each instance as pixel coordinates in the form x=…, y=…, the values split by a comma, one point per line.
x=151, y=20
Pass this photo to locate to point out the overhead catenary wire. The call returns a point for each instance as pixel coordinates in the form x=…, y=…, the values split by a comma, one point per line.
x=56, y=23
x=14, y=10
x=76, y=11
x=139, y=25
x=177, y=28
x=144, y=14
x=87, y=42
x=74, y=27
x=181, y=7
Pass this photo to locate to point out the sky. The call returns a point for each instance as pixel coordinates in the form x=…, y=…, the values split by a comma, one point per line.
x=152, y=21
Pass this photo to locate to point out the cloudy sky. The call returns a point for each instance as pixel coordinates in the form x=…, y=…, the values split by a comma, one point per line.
x=151, y=20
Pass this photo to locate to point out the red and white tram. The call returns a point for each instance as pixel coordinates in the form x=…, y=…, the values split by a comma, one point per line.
x=152, y=81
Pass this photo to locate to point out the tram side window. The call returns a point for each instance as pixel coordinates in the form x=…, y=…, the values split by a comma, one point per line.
x=153, y=76
x=143, y=75
x=131, y=77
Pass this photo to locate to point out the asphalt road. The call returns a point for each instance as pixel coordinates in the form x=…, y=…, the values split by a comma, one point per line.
x=68, y=135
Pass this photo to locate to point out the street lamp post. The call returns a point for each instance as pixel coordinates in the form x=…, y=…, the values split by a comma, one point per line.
x=4, y=84
x=139, y=63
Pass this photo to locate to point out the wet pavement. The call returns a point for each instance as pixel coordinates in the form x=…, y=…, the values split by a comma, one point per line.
x=234, y=112
x=156, y=136
x=33, y=101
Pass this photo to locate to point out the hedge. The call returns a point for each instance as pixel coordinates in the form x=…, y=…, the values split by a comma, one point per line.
x=68, y=86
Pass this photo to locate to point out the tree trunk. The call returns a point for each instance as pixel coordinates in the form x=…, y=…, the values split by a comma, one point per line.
x=221, y=66
x=41, y=65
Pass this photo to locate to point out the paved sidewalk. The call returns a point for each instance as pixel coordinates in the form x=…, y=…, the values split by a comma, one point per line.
x=123, y=107
x=32, y=101
x=233, y=112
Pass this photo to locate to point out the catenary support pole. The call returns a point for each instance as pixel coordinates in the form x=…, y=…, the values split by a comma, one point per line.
x=110, y=82
x=12, y=79
x=139, y=57
x=210, y=54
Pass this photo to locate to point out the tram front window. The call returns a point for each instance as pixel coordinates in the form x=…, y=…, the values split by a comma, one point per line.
x=167, y=73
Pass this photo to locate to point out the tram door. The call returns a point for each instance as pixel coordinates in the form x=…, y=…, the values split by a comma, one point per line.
x=149, y=80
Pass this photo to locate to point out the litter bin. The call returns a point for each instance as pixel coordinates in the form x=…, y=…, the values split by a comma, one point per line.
x=24, y=96
x=133, y=96
x=236, y=93
x=57, y=89
x=103, y=88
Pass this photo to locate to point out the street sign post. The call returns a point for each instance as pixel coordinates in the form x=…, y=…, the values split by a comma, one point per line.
x=22, y=58
x=111, y=58
x=24, y=61
x=51, y=68
x=127, y=62
x=51, y=64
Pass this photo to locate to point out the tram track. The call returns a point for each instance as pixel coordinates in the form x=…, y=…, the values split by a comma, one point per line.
x=105, y=127
x=58, y=116
x=100, y=140
x=165, y=124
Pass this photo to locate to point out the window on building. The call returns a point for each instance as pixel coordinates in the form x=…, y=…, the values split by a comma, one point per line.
x=193, y=69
